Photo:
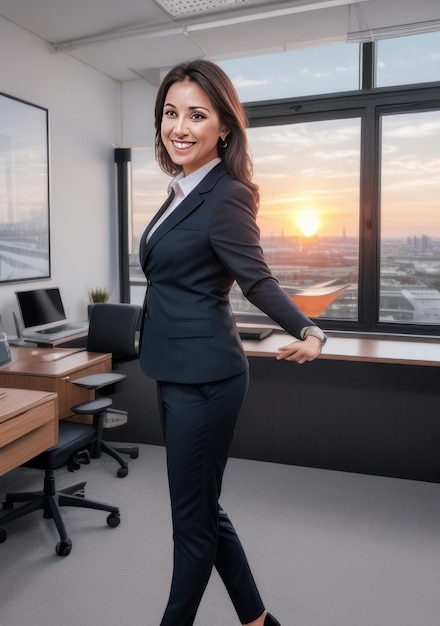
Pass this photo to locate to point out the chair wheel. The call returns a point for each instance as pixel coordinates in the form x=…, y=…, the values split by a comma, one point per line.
x=113, y=520
x=64, y=548
x=122, y=472
x=134, y=455
x=83, y=457
x=73, y=465
x=3, y=535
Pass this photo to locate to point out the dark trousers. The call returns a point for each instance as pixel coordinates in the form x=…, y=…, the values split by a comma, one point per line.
x=198, y=424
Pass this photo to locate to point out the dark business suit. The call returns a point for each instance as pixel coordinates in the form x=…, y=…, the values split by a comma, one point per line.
x=190, y=345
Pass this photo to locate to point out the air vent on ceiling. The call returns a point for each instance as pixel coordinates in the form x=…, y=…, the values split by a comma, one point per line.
x=180, y=9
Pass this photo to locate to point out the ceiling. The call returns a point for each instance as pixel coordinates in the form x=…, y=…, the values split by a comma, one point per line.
x=136, y=38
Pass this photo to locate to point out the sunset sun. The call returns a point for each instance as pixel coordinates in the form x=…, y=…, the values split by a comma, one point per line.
x=307, y=222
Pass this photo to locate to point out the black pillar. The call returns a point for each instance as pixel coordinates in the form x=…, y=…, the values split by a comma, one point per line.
x=123, y=160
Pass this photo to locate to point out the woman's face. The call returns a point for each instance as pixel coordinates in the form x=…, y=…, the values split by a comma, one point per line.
x=190, y=127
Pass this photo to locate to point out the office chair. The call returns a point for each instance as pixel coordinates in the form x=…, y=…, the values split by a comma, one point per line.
x=69, y=452
x=112, y=329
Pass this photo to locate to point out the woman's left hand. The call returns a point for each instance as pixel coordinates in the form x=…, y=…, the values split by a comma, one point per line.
x=301, y=351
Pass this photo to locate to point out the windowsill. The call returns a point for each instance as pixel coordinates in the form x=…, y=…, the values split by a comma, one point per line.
x=359, y=347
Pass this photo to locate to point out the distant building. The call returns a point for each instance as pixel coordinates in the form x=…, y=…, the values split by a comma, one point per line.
x=417, y=304
x=422, y=243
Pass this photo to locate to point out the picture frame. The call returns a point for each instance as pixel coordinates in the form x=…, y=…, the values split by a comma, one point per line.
x=24, y=191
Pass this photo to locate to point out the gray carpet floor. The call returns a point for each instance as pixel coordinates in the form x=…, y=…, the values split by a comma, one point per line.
x=327, y=549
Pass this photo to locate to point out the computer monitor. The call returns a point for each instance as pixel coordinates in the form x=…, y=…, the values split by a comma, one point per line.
x=40, y=306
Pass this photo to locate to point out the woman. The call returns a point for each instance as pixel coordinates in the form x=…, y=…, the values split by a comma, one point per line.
x=202, y=239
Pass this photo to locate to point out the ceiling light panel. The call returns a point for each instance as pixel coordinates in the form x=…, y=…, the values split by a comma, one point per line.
x=181, y=9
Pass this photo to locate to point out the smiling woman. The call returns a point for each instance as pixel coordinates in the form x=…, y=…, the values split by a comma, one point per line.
x=202, y=239
x=191, y=127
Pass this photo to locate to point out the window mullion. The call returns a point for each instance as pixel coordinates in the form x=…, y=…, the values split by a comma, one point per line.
x=369, y=221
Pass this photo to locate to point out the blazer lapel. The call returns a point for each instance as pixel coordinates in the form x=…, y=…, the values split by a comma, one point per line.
x=181, y=212
x=185, y=208
x=161, y=211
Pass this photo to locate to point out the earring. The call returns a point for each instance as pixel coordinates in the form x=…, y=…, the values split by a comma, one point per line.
x=223, y=142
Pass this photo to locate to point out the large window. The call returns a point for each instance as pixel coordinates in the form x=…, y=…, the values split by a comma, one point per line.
x=350, y=188
x=408, y=60
x=308, y=175
x=306, y=72
x=410, y=218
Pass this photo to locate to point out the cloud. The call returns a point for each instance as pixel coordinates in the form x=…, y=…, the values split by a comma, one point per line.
x=337, y=154
x=270, y=158
x=433, y=56
x=411, y=130
x=241, y=82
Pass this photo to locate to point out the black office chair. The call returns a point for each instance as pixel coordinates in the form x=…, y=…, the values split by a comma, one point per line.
x=112, y=329
x=69, y=452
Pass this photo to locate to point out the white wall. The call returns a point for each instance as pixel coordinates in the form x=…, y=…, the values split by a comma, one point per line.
x=85, y=125
x=138, y=98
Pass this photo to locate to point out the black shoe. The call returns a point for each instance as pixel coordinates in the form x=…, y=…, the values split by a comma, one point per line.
x=271, y=621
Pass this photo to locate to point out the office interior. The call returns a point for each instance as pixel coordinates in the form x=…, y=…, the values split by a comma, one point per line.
x=376, y=420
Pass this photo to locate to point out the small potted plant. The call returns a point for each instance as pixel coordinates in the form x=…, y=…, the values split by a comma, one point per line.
x=99, y=294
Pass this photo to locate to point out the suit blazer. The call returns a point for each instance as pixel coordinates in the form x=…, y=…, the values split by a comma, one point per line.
x=191, y=261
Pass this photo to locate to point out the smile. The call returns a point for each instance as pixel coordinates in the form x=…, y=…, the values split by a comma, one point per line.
x=182, y=145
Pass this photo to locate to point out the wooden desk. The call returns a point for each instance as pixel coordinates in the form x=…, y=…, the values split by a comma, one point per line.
x=366, y=350
x=53, y=370
x=28, y=425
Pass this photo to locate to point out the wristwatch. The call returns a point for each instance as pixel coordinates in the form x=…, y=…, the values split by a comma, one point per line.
x=315, y=331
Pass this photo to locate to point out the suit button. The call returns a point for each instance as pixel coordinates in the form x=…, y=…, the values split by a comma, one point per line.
x=148, y=281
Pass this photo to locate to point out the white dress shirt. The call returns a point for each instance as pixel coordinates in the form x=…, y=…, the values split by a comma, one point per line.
x=182, y=186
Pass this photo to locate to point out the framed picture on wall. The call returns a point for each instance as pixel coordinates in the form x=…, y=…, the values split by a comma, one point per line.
x=24, y=191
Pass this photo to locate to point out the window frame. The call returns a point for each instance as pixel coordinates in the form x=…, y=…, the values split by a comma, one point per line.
x=369, y=104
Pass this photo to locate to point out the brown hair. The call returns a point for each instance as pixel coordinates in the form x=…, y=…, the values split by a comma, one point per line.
x=221, y=92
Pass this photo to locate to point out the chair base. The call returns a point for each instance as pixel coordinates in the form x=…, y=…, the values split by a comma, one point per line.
x=115, y=452
x=50, y=501
x=97, y=408
x=132, y=451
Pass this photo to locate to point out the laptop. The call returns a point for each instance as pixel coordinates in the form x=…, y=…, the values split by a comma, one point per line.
x=253, y=331
x=44, y=318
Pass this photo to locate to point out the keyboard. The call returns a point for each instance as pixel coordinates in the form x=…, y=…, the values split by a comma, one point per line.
x=58, y=329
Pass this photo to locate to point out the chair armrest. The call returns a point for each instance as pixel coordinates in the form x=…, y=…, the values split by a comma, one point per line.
x=97, y=381
x=93, y=407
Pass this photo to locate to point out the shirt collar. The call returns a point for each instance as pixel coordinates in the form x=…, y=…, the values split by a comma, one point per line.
x=185, y=184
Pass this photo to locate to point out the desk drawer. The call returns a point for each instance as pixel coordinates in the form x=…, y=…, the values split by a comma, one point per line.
x=24, y=436
x=68, y=394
